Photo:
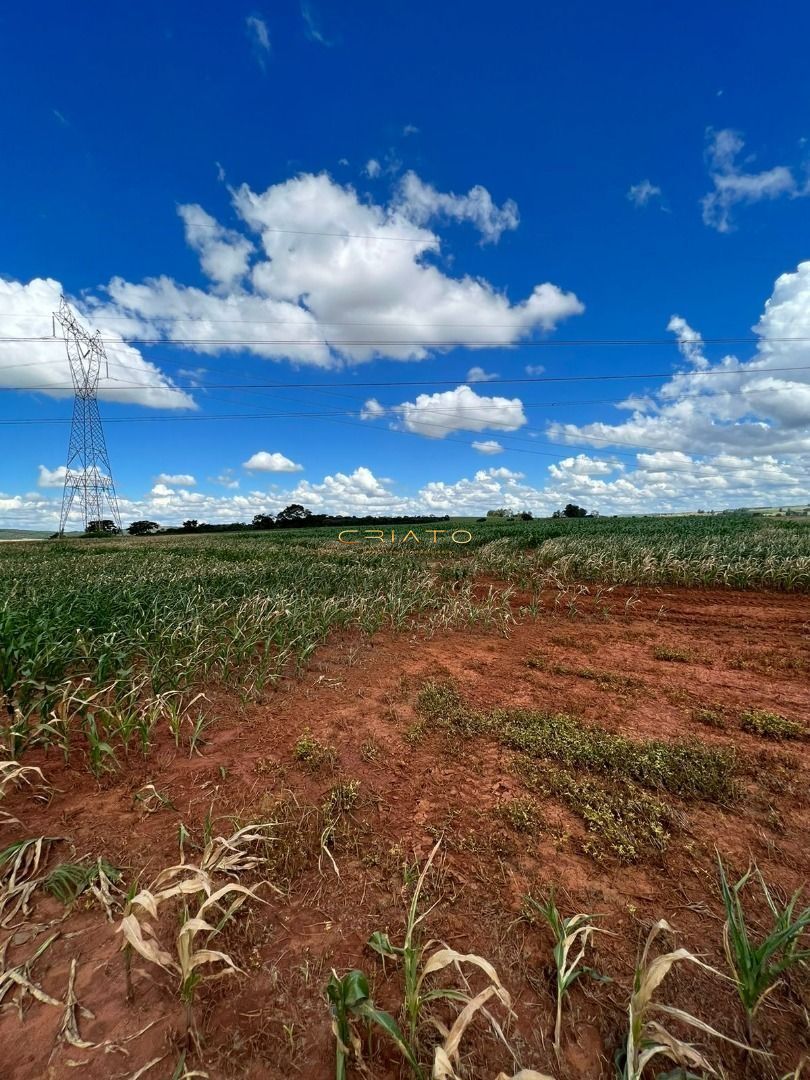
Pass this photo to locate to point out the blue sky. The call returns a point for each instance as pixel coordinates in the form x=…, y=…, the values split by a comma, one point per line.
x=311, y=177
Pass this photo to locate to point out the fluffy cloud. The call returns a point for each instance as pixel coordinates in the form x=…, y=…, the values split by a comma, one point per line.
x=359, y=492
x=51, y=478
x=176, y=479
x=372, y=410
x=732, y=185
x=477, y=374
x=436, y=415
x=372, y=168
x=336, y=279
x=487, y=446
x=224, y=254
x=581, y=467
x=421, y=203
x=690, y=342
x=262, y=461
x=749, y=409
x=642, y=193
x=43, y=364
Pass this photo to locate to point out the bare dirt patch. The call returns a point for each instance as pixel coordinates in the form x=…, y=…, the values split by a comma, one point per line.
x=604, y=662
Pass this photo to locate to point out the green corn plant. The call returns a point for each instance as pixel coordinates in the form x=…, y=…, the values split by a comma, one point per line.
x=418, y=965
x=68, y=880
x=350, y=999
x=573, y=933
x=99, y=749
x=758, y=966
x=646, y=1038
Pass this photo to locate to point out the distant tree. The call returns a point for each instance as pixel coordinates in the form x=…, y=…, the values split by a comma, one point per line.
x=572, y=511
x=143, y=528
x=292, y=515
x=503, y=513
x=263, y=521
x=190, y=525
x=103, y=527
x=526, y=516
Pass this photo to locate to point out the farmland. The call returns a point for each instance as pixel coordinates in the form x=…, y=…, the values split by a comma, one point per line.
x=266, y=750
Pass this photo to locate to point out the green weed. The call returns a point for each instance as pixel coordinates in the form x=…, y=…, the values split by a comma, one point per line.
x=713, y=718
x=521, y=813
x=685, y=769
x=622, y=821
x=313, y=753
x=770, y=725
x=673, y=654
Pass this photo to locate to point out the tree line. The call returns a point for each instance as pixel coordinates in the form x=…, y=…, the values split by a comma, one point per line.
x=296, y=516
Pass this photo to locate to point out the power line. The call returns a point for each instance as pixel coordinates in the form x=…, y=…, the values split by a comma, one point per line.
x=380, y=384
x=431, y=239
x=329, y=418
x=720, y=340
x=424, y=342
x=476, y=412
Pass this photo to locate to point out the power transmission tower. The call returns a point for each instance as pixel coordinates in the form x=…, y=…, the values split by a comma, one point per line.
x=88, y=478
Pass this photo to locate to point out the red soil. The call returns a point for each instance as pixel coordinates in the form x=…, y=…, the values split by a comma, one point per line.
x=747, y=650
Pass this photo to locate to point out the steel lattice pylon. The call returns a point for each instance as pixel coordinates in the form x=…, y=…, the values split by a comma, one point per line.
x=88, y=477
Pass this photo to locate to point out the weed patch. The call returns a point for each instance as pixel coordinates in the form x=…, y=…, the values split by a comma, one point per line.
x=712, y=718
x=770, y=725
x=313, y=753
x=521, y=814
x=672, y=654
x=686, y=769
x=622, y=821
x=605, y=680
x=770, y=661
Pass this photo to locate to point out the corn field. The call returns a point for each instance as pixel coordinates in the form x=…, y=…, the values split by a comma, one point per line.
x=112, y=639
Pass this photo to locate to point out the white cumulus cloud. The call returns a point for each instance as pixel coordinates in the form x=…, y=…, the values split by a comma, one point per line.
x=745, y=408
x=422, y=202
x=43, y=364
x=477, y=374
x=316, y=275
x=487, y=446
x=176, y=479
x=436, y=415
x=372, y=410
x=262, y=461
x=51, y=478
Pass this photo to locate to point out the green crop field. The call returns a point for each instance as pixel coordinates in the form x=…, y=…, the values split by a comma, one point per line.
x=129, y=630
